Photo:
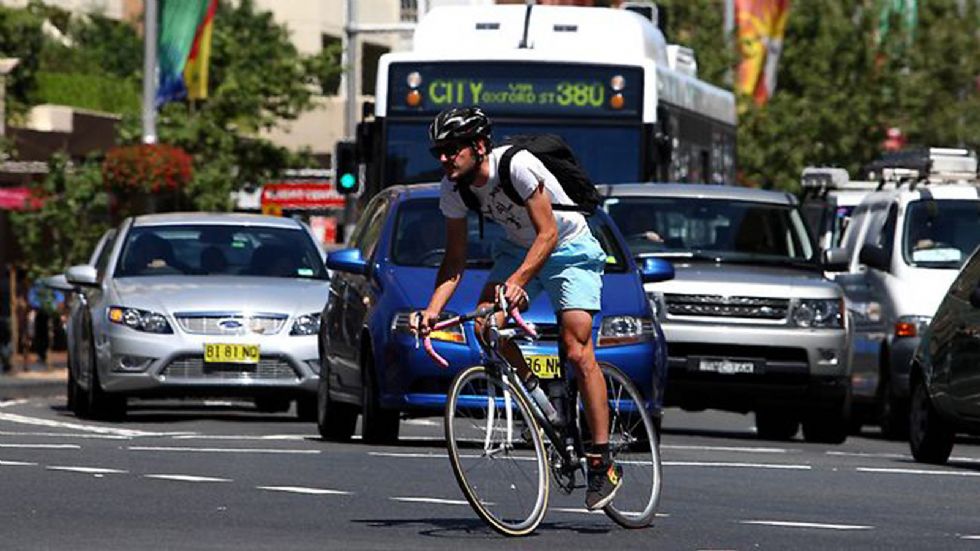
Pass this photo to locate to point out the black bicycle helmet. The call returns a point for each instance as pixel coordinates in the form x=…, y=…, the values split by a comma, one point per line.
x=460, y=124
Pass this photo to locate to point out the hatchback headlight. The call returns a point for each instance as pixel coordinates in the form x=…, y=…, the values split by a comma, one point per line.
x=618, y=330
x=140, y=320
x=819, y=313
x=307, y=324
x=401, y=323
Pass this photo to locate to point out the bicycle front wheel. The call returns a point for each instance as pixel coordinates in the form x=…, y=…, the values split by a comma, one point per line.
x=497, y=452
x=633, y=445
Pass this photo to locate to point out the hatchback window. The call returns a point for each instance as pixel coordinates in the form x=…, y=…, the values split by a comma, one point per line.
x=941, y=233
x=724, y=229
x=219, y=250
x=420, y=238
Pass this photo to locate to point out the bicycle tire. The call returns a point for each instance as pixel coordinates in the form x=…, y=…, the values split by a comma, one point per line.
x=489, y=493
x=634, y=446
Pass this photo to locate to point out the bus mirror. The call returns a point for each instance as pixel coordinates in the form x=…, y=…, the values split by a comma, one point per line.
x=345, y=168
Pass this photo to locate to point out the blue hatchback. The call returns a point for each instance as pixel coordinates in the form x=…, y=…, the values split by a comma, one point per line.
x=370, y=362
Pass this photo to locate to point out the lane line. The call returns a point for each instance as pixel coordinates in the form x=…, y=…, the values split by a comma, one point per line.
x=872, y=455
x=791, y=524
x=16, y=463
x=43, y=446
x=729, y=449
x=276, y=437
x=584, y=511
x=64, y=435
x=423, y=422
x=131, y=433
x=86, y=470
x=9, y=403
x=219, y=450
x=777, y=466
x=405, y=455
x=302, y=490
x=186, y=478
x=883, y=470
x=434, y=500
x=970, y=537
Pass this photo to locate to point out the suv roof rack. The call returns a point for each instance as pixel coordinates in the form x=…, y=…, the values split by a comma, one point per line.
x=818, y=180
x=931, y=165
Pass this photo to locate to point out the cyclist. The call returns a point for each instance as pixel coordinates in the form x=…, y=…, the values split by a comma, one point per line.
x=544, y=249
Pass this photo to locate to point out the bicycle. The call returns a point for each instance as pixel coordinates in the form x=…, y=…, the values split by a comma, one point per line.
x=494, y=428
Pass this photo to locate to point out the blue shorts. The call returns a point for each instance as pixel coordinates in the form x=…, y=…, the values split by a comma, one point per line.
x=572, y=275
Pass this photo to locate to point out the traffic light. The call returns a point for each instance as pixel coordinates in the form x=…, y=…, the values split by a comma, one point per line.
x=345, y=167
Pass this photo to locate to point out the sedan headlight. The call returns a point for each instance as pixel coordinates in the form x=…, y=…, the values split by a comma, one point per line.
x=911, y=326
x=618, y=330
x=307, y=324
x=140, y=320
x=401, y=323
x=819, y=313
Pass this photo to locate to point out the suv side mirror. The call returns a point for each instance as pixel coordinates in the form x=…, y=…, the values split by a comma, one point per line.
x=876, y=257
x=836, y=260
x=654, y=269
x=975, y=297
x=347, y=260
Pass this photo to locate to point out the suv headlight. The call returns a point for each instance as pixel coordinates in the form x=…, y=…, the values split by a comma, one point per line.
x=307, y=324
x=819, y=313
x=618, y=330
x=401, y=323
x=140, y=320
x=911, y=326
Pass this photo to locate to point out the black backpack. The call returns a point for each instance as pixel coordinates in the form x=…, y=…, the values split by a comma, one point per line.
x=558, y=158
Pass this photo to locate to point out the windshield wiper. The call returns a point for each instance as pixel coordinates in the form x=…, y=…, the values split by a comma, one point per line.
x=692, y=255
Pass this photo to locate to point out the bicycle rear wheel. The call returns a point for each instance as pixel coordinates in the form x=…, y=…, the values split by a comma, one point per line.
x=634, y=446
x=497, y=452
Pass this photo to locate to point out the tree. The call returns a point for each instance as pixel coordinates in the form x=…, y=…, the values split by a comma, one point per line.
x=20, y=37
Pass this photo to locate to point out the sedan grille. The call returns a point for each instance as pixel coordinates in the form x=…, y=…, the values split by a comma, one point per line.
x=194, y=368
x=233, y=323
x=726, y=307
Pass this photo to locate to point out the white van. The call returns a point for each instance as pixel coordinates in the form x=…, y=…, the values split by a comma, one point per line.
x=904, y=246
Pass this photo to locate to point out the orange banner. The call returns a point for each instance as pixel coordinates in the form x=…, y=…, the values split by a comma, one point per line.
x=761, y=26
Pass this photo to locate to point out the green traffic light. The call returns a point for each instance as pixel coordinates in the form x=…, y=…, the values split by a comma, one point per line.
x=347, y=181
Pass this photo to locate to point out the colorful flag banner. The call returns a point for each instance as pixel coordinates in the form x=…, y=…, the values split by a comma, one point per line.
x=196, y=72
x=761, y=27
x=179, y=22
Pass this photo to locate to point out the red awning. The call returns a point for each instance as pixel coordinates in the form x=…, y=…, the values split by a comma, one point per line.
x=17, y=198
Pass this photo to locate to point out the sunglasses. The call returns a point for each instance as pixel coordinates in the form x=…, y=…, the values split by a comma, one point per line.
x=450, y=150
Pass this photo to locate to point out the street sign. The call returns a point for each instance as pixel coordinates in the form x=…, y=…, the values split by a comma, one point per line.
x=301, y=195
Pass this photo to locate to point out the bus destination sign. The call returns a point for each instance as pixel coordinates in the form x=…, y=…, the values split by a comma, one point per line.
x=583, y=90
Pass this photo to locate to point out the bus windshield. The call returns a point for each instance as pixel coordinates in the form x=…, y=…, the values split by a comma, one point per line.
x=609, y=153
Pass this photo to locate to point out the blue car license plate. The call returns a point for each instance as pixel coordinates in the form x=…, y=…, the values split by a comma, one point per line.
x=544, y=366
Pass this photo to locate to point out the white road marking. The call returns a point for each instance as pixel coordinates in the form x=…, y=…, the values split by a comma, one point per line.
x=423, y=422
x=915, y=471
x=86, y=470
x=130, y=433
x=300, y=437
x=737, y=465
x=65, y=435
x=8, y=403
x=302, y=490
x=43, y=446
x=790, y=524
x=16, y=464
x=875, y=455
x=970, y=537
x=409, y=455
x=218, y=450
x=729, y=449
x=435, y=500
x=186, y=478
x=584, y=511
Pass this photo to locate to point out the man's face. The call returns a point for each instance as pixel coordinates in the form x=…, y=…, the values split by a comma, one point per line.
x=457, y=158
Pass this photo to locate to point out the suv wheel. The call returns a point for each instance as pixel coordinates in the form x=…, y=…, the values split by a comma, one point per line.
x=334, y=420
x=829, y=425
x=378, y=425
x=930, y=437
x=776, y=424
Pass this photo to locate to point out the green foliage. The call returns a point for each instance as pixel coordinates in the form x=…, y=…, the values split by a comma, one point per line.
x=65, y=229
x=20, y=37
x=700, y=24
x=94, y=91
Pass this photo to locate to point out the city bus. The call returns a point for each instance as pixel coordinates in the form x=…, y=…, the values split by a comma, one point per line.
x=605, y=79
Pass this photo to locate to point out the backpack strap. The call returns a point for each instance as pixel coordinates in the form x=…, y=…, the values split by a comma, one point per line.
x=471, y=201
x=503, y=173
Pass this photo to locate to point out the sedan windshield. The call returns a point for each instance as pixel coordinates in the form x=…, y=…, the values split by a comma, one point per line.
x=420, y=238
x=721, y=230
x=219, y=250
x=941, y=233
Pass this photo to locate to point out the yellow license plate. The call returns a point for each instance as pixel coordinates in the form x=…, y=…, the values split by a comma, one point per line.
x=545, y=367
x=231, y=353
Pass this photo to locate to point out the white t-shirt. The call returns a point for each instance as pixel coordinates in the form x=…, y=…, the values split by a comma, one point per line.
x=526, y=173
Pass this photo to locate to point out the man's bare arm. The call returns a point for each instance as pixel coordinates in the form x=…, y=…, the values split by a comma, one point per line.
x=451, y=269
x=543, y=219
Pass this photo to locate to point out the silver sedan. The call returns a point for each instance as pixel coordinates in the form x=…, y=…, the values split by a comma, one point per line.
x=196, y=304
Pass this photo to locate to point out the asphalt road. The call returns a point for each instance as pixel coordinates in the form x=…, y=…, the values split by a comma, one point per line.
x=223, y=476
